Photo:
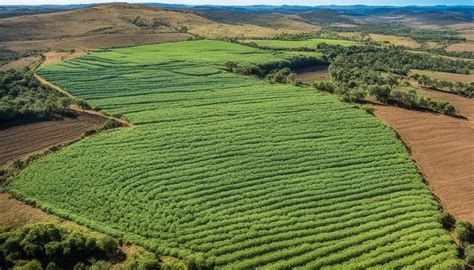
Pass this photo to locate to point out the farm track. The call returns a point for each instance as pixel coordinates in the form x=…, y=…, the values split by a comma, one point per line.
x=443, y=148
x=77, y=109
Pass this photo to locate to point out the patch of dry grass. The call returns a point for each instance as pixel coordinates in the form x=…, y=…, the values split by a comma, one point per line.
x=399, y=41
x=461, y=47
x=21, y=63
x=445, y=76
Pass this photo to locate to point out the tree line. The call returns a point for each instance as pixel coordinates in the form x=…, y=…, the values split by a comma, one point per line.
x=460, y=88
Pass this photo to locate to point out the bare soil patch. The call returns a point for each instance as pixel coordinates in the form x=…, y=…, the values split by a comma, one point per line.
x=311, y=74
x=55, y=56
x=26, y=139
x=14, y=213
x=443, y=148
x=21, y=63
x=461, y=47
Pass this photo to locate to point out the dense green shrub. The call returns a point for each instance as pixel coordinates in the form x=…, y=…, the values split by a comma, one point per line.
x=463, y=89
x=465, y=232
x=447, y=220
x=22, y=97
x=284, y=75
x=111, y=124
x=380, y=92
x=325, y=86
x=469, y=254
x=53, y=246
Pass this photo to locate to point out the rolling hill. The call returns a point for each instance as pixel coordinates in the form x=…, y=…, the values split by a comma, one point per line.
x=94, y=26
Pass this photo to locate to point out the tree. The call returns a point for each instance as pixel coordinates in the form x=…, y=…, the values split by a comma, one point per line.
x=465, y=232
x=325, y=86
x=380, y=92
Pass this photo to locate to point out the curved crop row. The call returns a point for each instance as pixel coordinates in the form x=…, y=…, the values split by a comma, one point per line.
x=245, y=173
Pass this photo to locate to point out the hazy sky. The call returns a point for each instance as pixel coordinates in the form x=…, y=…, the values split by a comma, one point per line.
x=254, y=2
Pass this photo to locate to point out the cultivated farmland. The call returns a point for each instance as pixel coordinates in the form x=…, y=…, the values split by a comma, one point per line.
x=298, y=44
x=233, y=169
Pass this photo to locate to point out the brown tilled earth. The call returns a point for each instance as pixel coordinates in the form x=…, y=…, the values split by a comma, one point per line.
x=443, y=149
x=311, y=74
x=25, y=139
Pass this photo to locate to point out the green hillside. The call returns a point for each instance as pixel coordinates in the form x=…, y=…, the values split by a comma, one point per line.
x=235, y=170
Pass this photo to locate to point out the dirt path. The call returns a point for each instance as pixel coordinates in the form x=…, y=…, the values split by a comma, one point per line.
x=53, y=58
x=443, y=148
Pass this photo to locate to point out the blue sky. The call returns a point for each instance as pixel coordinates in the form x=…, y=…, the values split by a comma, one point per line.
x=255, y=2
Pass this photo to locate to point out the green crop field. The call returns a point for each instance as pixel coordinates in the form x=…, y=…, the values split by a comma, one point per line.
x=235, y=170
x=299, y=44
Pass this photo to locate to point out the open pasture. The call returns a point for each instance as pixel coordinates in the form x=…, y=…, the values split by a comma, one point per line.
x=299, y=44
x=231, y=168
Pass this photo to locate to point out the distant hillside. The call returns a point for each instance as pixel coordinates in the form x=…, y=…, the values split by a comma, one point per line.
x=322, y=15
x=127, y=24
x=325, y=17
x=11, y=11
x=265, y=19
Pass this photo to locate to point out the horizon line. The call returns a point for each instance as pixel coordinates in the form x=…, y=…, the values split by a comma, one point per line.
x=236, y=5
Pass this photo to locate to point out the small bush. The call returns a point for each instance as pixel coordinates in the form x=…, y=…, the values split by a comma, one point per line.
x=325, y=86
x=284, y=75
x=447, y=220
x=82, y=103
x=469, y=254
x=380, y=92
x=110, y=124
x=31, y=265
x=52, y=246
x=465, y=232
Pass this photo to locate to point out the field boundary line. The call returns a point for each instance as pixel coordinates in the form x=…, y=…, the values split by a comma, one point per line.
x=75, y=107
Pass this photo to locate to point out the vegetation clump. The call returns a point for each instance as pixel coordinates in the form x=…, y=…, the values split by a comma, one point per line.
x=22, y=97
x=462, y=89
x=45, y=245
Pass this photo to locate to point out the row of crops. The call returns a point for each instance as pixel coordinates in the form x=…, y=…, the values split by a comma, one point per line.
x=243, y=173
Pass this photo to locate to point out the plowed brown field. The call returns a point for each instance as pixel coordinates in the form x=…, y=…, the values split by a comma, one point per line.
x=443, y=148
x=21, y=140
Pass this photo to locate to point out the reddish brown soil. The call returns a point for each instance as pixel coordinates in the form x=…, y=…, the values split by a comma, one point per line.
x=311, y=74
x=14, y=213
x=25, y=139
x=443, y=148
